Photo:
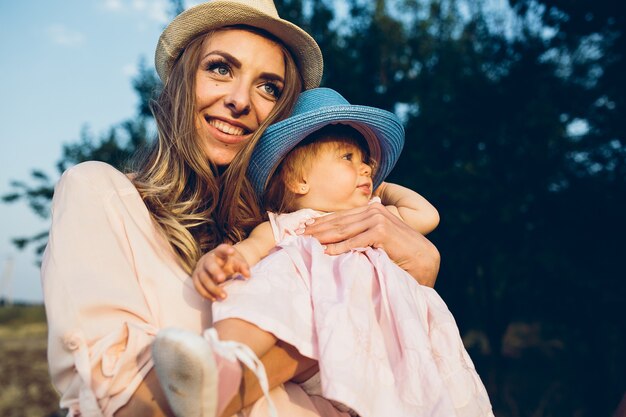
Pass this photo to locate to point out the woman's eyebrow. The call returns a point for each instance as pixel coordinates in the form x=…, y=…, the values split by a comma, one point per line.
x=270, y=76
x=228, y=57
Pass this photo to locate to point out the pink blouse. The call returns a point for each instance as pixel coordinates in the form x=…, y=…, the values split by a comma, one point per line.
x=110, y=282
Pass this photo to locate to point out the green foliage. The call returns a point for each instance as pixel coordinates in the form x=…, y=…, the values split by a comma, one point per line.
x=115, y=147
x=531, y=215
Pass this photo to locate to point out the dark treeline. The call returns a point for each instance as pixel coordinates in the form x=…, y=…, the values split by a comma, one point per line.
x=515, y=131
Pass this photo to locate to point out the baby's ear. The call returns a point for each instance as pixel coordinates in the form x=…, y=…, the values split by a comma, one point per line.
x=298, y=187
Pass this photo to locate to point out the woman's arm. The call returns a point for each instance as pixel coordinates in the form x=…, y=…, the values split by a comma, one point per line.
x=282, y=363
x=409, y=206
x=148, y=400
x=376, y=226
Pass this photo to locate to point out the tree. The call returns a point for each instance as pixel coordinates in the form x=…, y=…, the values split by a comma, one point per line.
x=114, y=147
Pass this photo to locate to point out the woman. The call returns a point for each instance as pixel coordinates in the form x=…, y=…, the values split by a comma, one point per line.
x=122, y=247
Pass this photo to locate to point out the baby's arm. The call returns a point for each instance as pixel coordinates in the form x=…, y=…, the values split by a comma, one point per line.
x=226, y=261
x=258, y=244
x=409, y=206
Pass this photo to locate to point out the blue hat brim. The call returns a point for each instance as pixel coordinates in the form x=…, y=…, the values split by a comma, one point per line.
x=382, y=130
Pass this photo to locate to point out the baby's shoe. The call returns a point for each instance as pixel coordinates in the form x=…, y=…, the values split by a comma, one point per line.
x=201, y=375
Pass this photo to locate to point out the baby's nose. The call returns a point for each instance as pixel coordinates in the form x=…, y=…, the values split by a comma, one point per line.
x=366, y=169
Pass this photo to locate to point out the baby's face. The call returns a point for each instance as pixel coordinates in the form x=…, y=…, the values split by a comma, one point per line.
x=339, y=178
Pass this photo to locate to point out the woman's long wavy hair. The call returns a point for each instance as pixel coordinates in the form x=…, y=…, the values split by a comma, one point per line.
x=194, y=204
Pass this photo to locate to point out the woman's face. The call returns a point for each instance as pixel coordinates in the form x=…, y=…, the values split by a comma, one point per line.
x=238, y=81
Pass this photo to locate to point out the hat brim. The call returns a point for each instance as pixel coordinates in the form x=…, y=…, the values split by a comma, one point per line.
x=218, y=14
x=382, y=130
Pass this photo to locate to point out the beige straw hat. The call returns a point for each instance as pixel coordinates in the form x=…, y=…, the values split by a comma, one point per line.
x=260, y=14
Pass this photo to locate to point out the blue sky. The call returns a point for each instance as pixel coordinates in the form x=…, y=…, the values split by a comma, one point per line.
x=63, y=65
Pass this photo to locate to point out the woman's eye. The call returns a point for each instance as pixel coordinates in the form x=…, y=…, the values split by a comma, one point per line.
x=219, y=68
x=272, y=89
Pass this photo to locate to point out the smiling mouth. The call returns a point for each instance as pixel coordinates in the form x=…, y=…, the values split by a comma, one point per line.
x=226, y=127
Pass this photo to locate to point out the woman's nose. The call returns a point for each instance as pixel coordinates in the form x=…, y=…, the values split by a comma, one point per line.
x=238, y=99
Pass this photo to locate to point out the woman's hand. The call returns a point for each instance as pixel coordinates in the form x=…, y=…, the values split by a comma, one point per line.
x=373, y=225
x=215, y=267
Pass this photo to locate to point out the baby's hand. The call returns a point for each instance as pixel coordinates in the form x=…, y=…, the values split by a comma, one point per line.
x=217, y=266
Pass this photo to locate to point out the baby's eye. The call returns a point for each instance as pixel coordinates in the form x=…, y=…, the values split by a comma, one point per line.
x=348, y=156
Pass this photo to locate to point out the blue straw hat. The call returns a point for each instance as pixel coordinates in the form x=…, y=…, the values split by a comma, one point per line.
x=315, y=109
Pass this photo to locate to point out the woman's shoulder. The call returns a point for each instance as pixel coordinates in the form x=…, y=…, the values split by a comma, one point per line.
x=94, y=170
x=96, y=176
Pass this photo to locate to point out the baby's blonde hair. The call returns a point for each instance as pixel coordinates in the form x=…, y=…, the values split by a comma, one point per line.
x=278, y=196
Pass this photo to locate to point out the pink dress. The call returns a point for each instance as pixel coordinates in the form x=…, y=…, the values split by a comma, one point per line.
x=386, y=345
x=111, y=282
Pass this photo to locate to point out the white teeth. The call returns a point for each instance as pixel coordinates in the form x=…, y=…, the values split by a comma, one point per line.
x=226, y=127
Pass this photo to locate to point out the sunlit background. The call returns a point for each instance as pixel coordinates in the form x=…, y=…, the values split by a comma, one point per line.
x=64, y=66
x=514, y=113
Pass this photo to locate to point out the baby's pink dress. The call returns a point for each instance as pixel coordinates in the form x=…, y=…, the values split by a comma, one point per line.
x=386, y=345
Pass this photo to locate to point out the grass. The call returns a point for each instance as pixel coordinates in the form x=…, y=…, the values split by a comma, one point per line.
x=25, y=389
x=21, y=314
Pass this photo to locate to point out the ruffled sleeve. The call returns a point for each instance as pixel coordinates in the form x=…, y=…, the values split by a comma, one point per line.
x=100, y=322
x=285, y=224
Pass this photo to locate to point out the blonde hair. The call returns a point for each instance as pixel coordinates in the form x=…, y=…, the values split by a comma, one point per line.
x=180, y=186
x=278, y=196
